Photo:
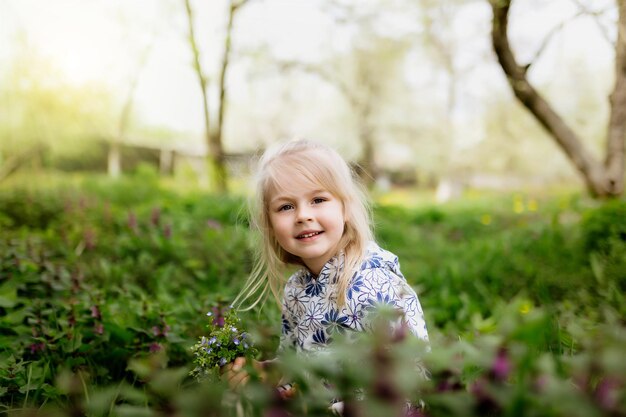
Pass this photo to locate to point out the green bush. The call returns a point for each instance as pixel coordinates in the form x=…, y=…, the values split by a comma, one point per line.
x=22, y=208
x=605, y=226
x=604, y=236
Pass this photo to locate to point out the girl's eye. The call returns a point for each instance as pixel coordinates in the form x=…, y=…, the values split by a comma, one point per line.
x=285, y=207
x=318, y=200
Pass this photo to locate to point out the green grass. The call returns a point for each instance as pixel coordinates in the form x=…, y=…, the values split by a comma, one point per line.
x=98, y=275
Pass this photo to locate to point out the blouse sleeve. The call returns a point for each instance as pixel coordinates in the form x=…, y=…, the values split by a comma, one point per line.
x=287, y=333
x=386, y=288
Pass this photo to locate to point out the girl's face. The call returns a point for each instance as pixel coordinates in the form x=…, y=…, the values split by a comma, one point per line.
x=307, y=222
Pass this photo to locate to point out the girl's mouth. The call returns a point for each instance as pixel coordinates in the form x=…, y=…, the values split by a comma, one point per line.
x=308, y=235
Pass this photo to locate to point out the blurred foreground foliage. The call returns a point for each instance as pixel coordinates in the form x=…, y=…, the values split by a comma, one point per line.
x=105, y=286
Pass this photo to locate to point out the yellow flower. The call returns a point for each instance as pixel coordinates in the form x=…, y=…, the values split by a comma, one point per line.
x=485, y=219
x=532, y=205
x=525, y=307
x=518, y=204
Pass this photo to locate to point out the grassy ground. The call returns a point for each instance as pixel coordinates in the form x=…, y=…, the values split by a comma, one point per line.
x=99, y=277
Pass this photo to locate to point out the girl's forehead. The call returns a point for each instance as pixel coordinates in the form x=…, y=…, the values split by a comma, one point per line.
x=284, y=184
x=297, y=174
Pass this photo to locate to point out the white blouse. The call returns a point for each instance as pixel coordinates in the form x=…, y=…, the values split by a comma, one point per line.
x=310, y=315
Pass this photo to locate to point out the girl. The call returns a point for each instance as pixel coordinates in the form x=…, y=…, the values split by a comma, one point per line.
x=310, y=212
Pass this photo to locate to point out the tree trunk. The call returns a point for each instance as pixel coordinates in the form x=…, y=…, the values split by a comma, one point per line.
x=166, y=161
x=114, y=161
x=368, y=170
x=216, y=142
x=601, y=180
x=614, y=162
x=213, y=140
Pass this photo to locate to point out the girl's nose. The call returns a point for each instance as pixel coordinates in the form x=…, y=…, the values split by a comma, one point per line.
x=304, y=215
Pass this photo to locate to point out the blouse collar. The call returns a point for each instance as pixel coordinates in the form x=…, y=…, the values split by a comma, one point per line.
x=329, y=272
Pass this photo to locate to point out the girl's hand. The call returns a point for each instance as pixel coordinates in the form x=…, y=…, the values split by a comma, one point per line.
x=235, y=374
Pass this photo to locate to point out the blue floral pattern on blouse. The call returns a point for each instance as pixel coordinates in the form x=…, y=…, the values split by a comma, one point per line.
x=311, y=316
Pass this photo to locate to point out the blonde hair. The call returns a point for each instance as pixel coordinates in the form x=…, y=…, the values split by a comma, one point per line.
x=324, y=167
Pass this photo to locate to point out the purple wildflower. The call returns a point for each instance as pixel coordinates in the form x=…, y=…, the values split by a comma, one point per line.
x=540, y=383
x=501, y=366
x=214, y=224
x=155, y=347
x=218, y=316
x=95, y=312
x=132, y=221
x=236, y=342
x=155, y=216
x=36, y=347
x=607, y=393
x=448, y=382
x=89, y=236
x=222, y=362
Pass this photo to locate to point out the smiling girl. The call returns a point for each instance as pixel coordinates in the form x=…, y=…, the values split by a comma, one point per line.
x=310, y=211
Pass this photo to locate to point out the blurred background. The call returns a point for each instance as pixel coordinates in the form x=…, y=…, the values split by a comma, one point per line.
x=410, y=90
x=127, y=133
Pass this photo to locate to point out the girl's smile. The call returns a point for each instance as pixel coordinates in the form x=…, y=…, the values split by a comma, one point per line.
x=308, y=235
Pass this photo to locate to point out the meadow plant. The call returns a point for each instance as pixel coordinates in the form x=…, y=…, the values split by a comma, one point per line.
x=98, y=309
x=224, y=341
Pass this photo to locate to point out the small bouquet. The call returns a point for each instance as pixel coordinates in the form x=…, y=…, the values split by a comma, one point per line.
x=226, y=341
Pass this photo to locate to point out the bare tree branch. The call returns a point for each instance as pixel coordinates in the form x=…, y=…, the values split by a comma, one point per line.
x=599, y=181
x=546, y=40
x=320, y=72
x=13, y=163
x=595, y=17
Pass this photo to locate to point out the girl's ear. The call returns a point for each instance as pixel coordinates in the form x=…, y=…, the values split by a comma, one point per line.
x=346, y=219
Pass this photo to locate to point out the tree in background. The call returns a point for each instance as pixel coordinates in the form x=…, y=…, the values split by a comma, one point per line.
x=369, y=77
x=214, y=135
x=602, y=179
x=441, y=45
x=114, y=160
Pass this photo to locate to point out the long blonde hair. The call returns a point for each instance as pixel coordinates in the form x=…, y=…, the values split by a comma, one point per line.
x=324, y=167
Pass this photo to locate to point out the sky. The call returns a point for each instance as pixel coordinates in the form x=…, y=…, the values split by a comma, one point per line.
x=103, y=41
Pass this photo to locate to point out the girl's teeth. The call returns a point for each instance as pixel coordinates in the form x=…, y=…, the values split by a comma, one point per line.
x=308, y=235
